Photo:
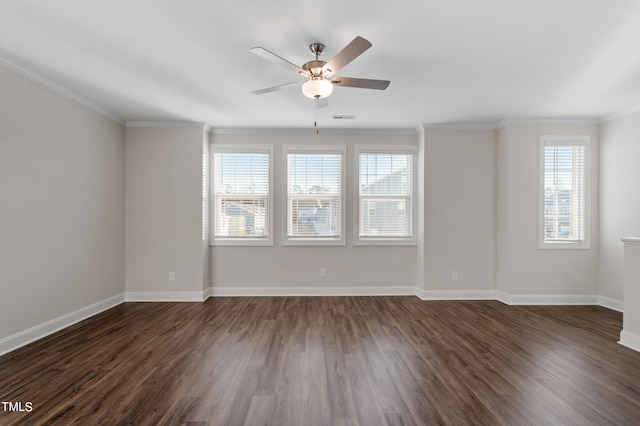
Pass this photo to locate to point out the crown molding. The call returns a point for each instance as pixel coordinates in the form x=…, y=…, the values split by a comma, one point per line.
x=579, y=121
x=32, y=75
x=460, y=126
x=309, y=130
x=167, y=124
x=620, y=114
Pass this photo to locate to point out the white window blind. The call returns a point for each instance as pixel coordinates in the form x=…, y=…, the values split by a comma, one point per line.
x=564, y=217
x=314, y=196
x=385, y=195
x=241, y=195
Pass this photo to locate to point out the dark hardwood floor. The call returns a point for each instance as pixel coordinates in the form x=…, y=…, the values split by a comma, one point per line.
x=328, y=361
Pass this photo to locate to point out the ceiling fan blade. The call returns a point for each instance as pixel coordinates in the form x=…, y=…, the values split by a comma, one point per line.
x=363, y=83
x=346, y=55
x=272, y=57
x=274, y=88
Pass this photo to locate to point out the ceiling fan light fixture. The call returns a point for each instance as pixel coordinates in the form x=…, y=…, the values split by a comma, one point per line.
x=317, y=88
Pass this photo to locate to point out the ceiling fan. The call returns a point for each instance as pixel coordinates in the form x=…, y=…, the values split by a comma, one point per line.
x=320, y=74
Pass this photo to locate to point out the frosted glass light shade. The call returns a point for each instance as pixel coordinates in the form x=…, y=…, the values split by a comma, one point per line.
x=317, y=88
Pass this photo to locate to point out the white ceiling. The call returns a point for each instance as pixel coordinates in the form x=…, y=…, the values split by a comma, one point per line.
x=464, y=61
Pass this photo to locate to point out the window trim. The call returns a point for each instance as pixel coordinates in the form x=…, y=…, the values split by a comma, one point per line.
x=565, y=140
x=386, y=241
x=316, y=149
x=248, y=149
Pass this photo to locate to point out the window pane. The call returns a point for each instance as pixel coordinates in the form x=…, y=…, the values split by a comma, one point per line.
x=386, y=190
x=242, y=217
x=314, y=216
x=314, y=195
x=241, y=191
x=564, y=193
x=242, y=173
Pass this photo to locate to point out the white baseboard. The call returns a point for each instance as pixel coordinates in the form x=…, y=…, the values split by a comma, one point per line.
x=630, y=340
x=165, y=296
x=32, y=334
x=610, y=303
x=546, y=299
x=457, y=294
x=207, y=293
x=311, y=291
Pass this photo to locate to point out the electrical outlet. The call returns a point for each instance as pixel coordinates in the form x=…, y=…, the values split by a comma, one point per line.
x=323, y=272
x=455, y=275
x=172, y=276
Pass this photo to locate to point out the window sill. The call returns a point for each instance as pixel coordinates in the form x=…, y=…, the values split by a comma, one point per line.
x=385, y=242
x=313, y=243
x=565, y=246
x=241, y=243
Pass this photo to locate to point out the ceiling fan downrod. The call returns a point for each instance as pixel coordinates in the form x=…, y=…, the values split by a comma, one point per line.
x=316, y=49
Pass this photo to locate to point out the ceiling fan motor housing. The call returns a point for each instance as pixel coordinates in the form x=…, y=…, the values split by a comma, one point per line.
x=314, y=67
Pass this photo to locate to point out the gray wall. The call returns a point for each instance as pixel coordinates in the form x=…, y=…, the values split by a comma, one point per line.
x=619, y=199
x=523, y=268
x=294, y=266
x=62, y=182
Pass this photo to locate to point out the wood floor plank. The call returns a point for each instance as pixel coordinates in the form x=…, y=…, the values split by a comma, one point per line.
x=328, y=361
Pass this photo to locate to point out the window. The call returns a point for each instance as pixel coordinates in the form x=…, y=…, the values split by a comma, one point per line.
x=242, y=188
x=315, y=187
x=385, y=190
x=564, y=191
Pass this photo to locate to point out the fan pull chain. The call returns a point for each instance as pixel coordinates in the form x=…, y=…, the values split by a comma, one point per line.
x=315, y=122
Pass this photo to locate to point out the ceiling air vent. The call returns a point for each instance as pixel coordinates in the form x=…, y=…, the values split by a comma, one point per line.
x=344, y=117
